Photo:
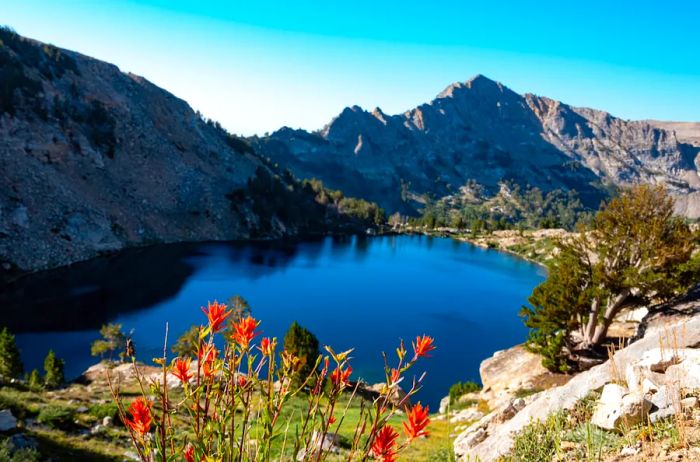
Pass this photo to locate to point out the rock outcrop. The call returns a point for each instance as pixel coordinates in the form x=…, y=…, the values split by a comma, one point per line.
x=481, y=132
x=646, y=378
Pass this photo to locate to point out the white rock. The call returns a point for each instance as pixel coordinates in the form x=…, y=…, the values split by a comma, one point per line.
x=649, y=387
x=7, y=420
x=444, y=403
x=689, y=403
x=466, y=415
x=616, y=409
x=685, y=375
x=107, y=421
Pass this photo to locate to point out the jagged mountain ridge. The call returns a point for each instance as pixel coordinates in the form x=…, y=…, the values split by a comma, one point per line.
x=482, y=131
x=94, y=160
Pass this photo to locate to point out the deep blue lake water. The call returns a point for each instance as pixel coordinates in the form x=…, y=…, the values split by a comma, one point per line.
x=365, y=293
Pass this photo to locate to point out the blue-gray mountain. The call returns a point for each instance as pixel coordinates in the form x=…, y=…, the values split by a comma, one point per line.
x=481, y=132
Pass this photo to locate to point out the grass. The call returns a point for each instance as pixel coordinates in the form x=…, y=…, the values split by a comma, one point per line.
x=66, y=440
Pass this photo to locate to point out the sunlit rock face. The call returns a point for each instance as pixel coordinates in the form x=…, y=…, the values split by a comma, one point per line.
x=482, y=131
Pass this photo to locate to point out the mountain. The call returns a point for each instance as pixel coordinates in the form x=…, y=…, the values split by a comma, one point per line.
x=481, y=132
x=93, y=160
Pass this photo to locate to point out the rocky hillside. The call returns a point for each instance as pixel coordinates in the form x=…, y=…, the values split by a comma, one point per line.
x=641, y=404
x=93, y=160
x=481, y=132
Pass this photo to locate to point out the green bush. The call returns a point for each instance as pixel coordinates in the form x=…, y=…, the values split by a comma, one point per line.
x=539, y=441
x=56, y=416
x=462, y=388
x=302, y=343
x=100, y=411
x=8, y=453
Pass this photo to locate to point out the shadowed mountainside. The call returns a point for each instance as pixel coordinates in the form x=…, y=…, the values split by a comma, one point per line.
x=93, y=160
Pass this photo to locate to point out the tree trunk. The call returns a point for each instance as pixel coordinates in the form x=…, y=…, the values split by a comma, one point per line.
x=610, y=312
x=592, y=321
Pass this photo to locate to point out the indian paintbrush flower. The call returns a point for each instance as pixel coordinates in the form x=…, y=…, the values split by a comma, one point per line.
x=417, y=421
x=216, y=314
x=244, y=331
x=140, y=420
x=181, y=369
x=384, y=443
x=422, y=346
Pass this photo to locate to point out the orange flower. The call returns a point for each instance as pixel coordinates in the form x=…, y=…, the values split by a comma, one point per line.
x=189, y=453
x=395, y=375
x=417, y=421
x=216, y=313
x=242, y=381
x=331, y=420
x=244, y=331
x=181, y=369
x=267, y=346
x=422, y=346
x=140, y=421
x=207, y=357
x=341, y=377
x=384, y=442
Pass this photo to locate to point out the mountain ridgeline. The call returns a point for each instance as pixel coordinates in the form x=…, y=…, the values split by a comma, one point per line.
x=480, y=133
x=94, y=160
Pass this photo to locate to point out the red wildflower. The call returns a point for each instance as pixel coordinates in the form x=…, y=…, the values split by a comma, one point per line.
x=395, y=375
x=384, y=442
x=189, y=453
x=417, y=421
x=207, y=357
x=216, y=313
x=331, y=420
x=244, y=331
x=181, y=369
x=140, y=421
x=422, y=346
x=266, y=346
x=341, y=377
x=242, y=381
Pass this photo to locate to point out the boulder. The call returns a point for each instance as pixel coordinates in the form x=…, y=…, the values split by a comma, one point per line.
x=466, y=415
x=444, y=404
x=685, y=375
x=7, y=421
x=330, y=443
x=499, y=438
x=618, y=409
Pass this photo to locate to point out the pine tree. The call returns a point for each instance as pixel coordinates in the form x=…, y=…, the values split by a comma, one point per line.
x=634, y=252
x=113, y=340
x=302, y=343
x=53, y=368
x=34, y=381
x=10, y=360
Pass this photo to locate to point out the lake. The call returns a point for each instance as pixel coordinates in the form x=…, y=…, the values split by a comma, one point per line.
x=361, y=292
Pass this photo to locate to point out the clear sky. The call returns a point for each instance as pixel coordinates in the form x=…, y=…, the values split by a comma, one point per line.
x=258, y=65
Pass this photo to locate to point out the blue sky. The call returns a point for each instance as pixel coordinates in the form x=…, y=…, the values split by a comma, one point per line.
x=256, y=66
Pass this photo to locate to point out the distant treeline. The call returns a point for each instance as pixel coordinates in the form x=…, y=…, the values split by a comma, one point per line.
x=512, y=208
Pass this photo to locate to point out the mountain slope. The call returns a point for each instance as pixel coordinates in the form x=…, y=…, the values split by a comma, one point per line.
x=480, y=131
x=95, y=160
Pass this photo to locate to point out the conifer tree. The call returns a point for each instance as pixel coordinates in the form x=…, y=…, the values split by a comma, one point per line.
x=634, y=252
x=53, y=369
x=302, y=343
x=10, y=360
